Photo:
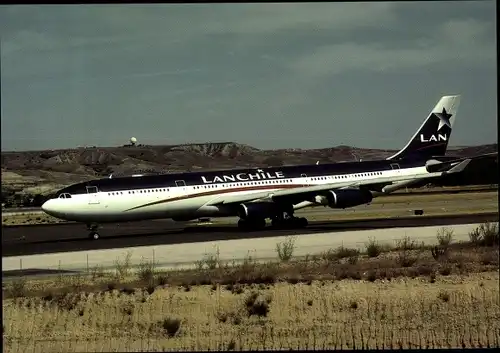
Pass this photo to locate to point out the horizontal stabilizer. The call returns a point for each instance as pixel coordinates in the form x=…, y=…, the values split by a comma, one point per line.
x=459, y=167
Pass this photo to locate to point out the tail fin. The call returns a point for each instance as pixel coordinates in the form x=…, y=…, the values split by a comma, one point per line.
x=432, y=137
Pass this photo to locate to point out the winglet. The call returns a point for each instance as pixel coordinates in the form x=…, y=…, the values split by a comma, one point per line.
x=459, y=167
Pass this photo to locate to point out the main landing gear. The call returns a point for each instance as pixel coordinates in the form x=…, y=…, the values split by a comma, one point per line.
x=94, y=235
x=280, y=221
x=291, y=222
x=252, y=224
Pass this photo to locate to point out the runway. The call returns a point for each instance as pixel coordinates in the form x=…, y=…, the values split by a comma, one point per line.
x=28, y=240
x=185, y=256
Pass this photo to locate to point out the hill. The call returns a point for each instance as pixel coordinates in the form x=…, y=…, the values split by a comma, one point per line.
x=40, y=172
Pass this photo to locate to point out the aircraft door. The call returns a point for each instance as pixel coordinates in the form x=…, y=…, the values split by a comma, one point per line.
x=92, y=192
x=181, y=184
x=395, y=167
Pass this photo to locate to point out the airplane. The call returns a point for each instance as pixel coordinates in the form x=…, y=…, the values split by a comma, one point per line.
x=255, y=195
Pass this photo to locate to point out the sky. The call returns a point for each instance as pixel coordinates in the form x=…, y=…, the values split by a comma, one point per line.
x=283, y=75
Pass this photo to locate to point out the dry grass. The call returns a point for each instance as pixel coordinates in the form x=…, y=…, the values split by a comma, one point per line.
x=411, y=296
x=410, y=313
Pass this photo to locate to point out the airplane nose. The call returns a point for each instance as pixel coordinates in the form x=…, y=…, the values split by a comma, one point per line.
x=50, y=208
x=46, y=206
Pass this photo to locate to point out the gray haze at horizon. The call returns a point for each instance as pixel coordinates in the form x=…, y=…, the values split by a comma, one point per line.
x=268, y=75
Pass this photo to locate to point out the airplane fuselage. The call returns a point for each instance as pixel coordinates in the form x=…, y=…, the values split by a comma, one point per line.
x=185, y=196
x=257, y=194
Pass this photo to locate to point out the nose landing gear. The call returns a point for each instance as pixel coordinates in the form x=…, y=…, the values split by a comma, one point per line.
x=94, y=234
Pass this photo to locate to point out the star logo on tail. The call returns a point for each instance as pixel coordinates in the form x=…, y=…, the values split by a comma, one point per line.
x=444, y=119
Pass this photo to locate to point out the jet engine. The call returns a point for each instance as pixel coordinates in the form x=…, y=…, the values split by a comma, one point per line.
x=346, y=198
x=260, y=210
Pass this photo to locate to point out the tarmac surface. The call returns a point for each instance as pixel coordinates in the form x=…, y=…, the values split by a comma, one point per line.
x=185, y=256
x=43, y=239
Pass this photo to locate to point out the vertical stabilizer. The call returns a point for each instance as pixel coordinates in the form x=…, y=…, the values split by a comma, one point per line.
x=433, y=136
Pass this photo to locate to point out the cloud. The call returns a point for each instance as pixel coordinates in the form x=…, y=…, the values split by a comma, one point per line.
x=272, y=18
x=178, y=23
x=464, y=32
x=462, y=42
x=259, y=73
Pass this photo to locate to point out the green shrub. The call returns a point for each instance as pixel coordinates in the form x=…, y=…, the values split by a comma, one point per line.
x=146, y=271
x=487, y=234
x=123, y=267
x=445, y=237
x=285, y=249
x=373, y=248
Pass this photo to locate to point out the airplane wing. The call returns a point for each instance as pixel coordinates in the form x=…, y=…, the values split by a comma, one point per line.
x=304, y=193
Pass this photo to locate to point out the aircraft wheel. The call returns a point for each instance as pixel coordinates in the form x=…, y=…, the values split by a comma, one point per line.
x=253, y=224
x=296, y=222
x=302, y=222
x=276, y=223
x=259, y=224
x=242, y=224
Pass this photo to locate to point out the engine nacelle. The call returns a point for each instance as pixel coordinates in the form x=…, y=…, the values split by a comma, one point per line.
x=345, y=198
x=260, y=210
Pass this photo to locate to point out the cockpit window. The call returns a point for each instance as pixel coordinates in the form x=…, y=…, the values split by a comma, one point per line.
x=65, y=196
